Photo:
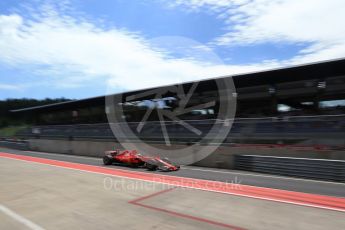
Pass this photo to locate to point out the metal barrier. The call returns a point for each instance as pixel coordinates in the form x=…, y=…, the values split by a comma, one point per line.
x=287, y=128
x=329, y=170
x=14, y=144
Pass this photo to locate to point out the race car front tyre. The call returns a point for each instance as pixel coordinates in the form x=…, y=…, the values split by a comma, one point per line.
x=107, y=160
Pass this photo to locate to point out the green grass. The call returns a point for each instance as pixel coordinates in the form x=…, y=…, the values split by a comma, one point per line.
x=10, y=131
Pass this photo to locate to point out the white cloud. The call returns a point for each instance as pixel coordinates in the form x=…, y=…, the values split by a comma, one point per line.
x=10, y=87
x=216, y=5
x=315, y=22
x=70, y=52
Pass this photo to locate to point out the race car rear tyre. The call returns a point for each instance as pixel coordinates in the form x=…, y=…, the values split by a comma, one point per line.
x=107, y=160
x=134, y=165
x=151, y=167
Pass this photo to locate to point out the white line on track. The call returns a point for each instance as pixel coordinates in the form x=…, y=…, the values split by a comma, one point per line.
x=29, y=224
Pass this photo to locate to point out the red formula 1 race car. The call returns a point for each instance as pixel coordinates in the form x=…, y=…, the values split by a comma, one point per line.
x=134, y=159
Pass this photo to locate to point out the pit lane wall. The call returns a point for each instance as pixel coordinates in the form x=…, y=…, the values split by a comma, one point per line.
x=223, y=157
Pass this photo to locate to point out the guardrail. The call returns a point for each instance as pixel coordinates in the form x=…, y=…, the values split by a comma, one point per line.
x=329, y=170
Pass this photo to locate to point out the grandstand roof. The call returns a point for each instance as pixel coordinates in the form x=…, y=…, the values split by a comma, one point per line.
x=316, y=70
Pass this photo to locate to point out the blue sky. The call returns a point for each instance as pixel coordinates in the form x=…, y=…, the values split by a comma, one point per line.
x=85, y=48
